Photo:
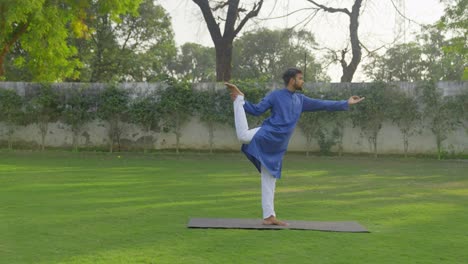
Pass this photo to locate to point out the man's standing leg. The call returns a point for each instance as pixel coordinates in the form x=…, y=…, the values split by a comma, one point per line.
x=268, y=199
x=268, y=193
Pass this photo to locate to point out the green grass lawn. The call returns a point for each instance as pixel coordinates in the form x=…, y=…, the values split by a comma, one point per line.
x=59, y=207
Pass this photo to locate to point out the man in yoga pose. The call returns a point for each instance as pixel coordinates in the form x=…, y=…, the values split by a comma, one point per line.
x=265, y=146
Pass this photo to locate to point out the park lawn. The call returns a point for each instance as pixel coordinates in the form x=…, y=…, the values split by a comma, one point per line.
x=60, y=207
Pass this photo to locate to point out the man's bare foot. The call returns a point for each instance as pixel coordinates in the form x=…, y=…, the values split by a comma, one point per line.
x=233, y=89
x=273, y=221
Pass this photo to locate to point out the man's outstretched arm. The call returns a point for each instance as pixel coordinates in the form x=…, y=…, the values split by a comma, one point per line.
x=312, y=105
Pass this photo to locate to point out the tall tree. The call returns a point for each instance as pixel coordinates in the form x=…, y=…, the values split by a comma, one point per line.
x=135, y=48
x=426, y=59
x=455, y=21
x=348, y=68
x=176, y=107
x=441, y=113
x=403, y=62
x=146, y=113
x=113, y=108
x=265, y=53
x=370, y=116
x=223, y=41
x=195, y=63
x=44, y=108
x=211, y=108
x=46, y=25
x=79, y=109
x=441, y=65
x=11, y=112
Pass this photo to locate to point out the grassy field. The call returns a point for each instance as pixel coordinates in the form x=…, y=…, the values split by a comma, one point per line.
x=59, y=207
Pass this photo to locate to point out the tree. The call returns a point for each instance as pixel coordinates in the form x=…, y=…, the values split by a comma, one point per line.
x=145, y=111
x=463, y=108
x=370, y=115
x=425, y=59
x=455, y=22
x=41, y=26
x=11, y=112
x=114, y=108
x=403, y=62
x=310, y=125
x=15, y=71
x=335, y=121
x=80, y=108
x=135, y=48
x=406, y=114
x=440, y=65
x=348, y=68
x=442, y=113
x=326, y=127
x=223, y=42
x=177, y=107
x=44, y=108
x=195, y=63
x=265, y=53
x=213, y=108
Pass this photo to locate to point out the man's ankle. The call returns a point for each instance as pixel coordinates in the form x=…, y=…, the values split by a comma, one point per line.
x=271, y=217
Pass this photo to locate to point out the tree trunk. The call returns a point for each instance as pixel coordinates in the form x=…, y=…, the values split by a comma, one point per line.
x=223, y=60
x=211, y=135
x=75, y=141
x=375, y=147
x=308, y=139
x=42, y=142
x=118, y=143
x=43, y=127
x=405, y=144
x=373, y=143
x=350, y=69
x=10, y=132
x=223, y=42
x=111, y=149
x=340, y=138
x=145, y=139
x=5, y=48
x=340, y=146
x=10, y=141
x=177, y=142
x=439, y=147
x=177, y=133
x=118, y=133
x=111, y=135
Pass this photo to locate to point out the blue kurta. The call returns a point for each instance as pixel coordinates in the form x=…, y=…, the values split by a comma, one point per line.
x=269, y=144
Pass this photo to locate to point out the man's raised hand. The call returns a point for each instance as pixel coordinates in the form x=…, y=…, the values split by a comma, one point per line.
x=355, y=99
x=233, y=89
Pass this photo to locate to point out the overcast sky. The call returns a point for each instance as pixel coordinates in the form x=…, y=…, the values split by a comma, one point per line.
x=380, y=24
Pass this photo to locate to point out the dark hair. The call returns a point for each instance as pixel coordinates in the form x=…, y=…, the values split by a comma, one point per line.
x=290, y=73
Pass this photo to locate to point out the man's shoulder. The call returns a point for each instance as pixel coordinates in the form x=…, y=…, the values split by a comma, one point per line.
x=275, y=92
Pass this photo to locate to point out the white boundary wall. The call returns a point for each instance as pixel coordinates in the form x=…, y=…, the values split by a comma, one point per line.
x=195, y=134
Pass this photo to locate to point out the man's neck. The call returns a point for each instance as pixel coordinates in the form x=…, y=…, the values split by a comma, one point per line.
x=291, y=89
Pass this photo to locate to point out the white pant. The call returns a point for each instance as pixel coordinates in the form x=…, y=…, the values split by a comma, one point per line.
x=245, y=135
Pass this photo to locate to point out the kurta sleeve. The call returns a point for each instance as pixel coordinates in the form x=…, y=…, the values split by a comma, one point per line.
x=312, y=105
x=260, y=108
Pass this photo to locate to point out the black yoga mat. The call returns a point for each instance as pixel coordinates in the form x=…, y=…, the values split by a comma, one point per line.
x=227, y=223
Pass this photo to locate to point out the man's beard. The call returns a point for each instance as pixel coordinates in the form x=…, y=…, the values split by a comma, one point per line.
x=297, y=87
